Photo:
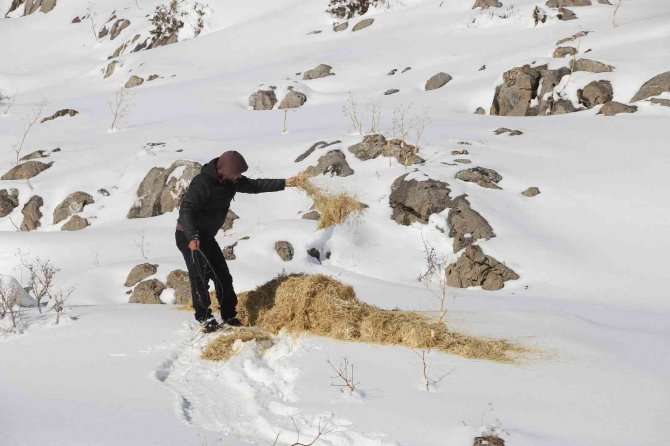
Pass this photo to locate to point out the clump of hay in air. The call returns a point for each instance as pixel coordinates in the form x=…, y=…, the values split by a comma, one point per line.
x=333, y=208
x=227, y=345
x=323, y=306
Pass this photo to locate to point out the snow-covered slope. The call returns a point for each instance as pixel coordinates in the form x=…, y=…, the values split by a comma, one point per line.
x=590, y=249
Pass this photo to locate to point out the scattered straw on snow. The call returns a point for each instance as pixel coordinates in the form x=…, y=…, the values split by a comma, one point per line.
x=333, y=208
x=227, y=345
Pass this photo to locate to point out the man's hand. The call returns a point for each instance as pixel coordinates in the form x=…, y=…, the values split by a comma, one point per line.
x=292, y=182
x=194, y=245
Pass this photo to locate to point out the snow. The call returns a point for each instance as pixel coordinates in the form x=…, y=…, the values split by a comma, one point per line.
x=590, y=249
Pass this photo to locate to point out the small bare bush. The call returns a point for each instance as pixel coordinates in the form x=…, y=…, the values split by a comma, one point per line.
x=323, y=429
x=41, y=282
x=350, y=111
x=30, y=121
x=9, y=302
x=120, y=108
x=344, y=375
x=616, y=9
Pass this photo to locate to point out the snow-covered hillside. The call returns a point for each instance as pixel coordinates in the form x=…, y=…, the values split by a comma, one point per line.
x=591, y=300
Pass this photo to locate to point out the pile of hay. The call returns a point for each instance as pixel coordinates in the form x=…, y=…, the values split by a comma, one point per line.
x=333, y=208
x=323, y=306
x=225, y=346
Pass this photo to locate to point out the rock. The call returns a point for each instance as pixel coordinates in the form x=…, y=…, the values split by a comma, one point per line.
x=376, y=145
x=74, y=203
x=103, y=192
x=531, y=192
x=320, y=71
x=563, y=51
x=59, y=114
x=147, y=292
x=653, y=87
x=614, y=108
x=32, y=214
x=285, y=250
x=169, y=40
x=26, y=170
x=462, y=161
x=566, y=14
x=141, y=272
x=293, y=99
x=595, y=93
x=592, y=66
x=313, y=252
x=362, y=24
x=604, y=2
x=228, y=222
x=229, y=252
x=76, y=20
x=406, y=69
x=659, y=101
x=460, y=152
x=103, y=32
x=563, y=106
x=575, y=36
x=567, y=3
x=117, y=52
x=119, y=26
x=340, y=27
x=415, y=200
x=485, y=4
x=179, y=281
x=333, y=162
x=490, y=440
x=153, y=77
x=501, y=130
x=110, y=68
x=391, y=91
x=466, y=225
x=316, y=145
x=75, y=223
x=134, y=81
x=484, y=177
x=311, y=215
x=34, y=155
x=162, y=189
x=9, y=200
x=437, y=81
x=392, y=72
x=474, y=268
x=480, y=111
x=32, y=6
x=263, y=100
x=513, y=97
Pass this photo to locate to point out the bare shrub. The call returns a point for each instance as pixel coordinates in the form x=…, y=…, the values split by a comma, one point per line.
x=9, y=302
x=41, y=274
x=350, y=111
x=616, y=9
x=120, y=108
x=30, y=121
x=344, y=375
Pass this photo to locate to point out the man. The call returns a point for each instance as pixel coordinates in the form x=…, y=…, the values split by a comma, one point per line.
x=201, y=215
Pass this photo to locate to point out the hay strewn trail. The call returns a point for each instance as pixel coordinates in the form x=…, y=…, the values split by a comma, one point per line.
x=320, y=305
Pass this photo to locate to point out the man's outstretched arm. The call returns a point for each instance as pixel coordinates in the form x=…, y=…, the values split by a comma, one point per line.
x=261, y=185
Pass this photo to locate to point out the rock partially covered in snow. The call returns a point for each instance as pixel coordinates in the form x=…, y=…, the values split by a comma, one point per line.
x=376, y=145
x=162, y=189
x=592, y=66
x=74, y=203
x=75, y=223
x=32, y=214
x=147, y=292
x=653, y=87
x=333, y=163
x=180, y=282
x=322, y=70
x=293, y=99
x=437, y=81
x=13, y=292
x=567, y=3
x=60, y=113
x=466, y=225
x=486, y=4
x=414, y=200
x=474, y=268
x=487, y=178
x=614, y=108
x=140, y=272
x=26, y=170
x=9, y=200
x=595, y=93
x=263, y=100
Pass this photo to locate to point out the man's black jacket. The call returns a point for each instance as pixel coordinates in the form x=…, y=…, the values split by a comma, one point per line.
x=204, y=208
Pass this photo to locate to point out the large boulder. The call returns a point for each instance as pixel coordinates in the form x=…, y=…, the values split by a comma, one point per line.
x=75, y=223
x=293, y=99
x=9, y=200
x=595, y=93
x=285, y=250
x=487, y=178
x=437, y=81
x=32, y=214
x=486, y=4
x=162, y=189
x=179, y=281
x=373, y=146
x=653, y=87
x=26, y=170
x=322, y=70
x=139, y=273
x=466, y=225
x=591, y=66
x=333, y=162
x=567, y=3
x=59, y=114
x=263, y=100
x=614, y=108
x=147, y=292
x=474, y=268
x=73, y=203
x=414, y=200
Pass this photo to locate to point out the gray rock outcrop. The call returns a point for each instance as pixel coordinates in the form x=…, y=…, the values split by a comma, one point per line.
x=595, y=93
x=32, y=214
x=415, y=200
x=178, y=280
x=333, y=163
x=75, y=223
x=263, y=100
x=614, y=108
x=482, y=176
x=653, y=87
x=373, y=146
x=147, y=292
x=474, y=268
x=117, y=27
x=466, y=225
x=26, y=170
x=160, y=191
x=322, y=70
x=293, y=99
x=140, y=272
x=591, y=66
x=73, y=204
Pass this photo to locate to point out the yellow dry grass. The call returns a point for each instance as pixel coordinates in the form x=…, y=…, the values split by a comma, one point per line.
x=323, y=306
x=224, y=347
x=333, y=208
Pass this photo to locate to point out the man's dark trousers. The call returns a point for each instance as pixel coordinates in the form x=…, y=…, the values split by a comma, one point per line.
x=199, y=272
